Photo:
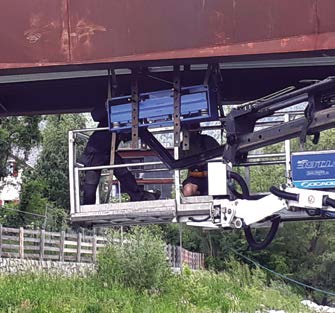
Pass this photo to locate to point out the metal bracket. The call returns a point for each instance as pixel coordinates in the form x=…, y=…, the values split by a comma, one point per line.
x=167, y=158
x=227, y=216
x=177, y=104
x=218, y=84
x=309, y=114
x=149, y=139
x=134, y=109
x=112, y=162
x=208, y=74
x=186, y=139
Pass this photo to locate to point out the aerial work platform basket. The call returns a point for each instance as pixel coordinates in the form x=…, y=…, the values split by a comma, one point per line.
x=253, y=125
x=190, y=210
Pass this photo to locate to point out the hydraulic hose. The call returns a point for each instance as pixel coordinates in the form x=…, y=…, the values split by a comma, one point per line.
x=283, y=194
x=330, y=202
x=295, y=197
x=259, y=245
x=245, y=190
x=254, y=245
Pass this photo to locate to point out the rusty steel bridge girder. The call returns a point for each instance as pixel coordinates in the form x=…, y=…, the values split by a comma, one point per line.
x=77, y=32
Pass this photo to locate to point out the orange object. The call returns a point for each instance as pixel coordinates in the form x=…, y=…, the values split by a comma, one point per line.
x=198, y=174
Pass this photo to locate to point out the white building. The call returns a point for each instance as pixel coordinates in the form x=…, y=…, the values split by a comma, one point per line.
x=10, y=185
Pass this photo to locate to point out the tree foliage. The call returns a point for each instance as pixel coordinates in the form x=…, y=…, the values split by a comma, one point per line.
x=17, y=132
x=303, y=250
x=52, y=164
x=45, y=190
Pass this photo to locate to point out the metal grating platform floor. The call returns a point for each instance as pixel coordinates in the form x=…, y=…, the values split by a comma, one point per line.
x=159, y=212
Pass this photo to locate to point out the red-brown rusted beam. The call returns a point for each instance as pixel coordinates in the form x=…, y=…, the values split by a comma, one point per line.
x=39, y=33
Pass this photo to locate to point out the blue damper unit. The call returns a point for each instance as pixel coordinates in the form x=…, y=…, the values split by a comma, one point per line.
x=156, y=109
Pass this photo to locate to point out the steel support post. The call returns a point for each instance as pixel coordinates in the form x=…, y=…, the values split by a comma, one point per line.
x=71, y=143
x=181, y=246
x=112, y=162
x=76, y=188
x=247, y=175
x=134, y=111
x=287, y=153
x=177, y=178
x=177, y=104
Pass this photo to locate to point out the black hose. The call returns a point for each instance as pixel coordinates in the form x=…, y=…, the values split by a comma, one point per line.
x=235, y=193
x=245, y=189
x=259, y=245
x=283, y=194
x=254, y=245
x=330, y=202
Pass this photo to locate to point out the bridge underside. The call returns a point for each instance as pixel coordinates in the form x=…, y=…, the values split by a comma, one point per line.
x=79, y=91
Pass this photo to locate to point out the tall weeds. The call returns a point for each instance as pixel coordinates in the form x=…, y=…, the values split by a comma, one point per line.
x=138, y=262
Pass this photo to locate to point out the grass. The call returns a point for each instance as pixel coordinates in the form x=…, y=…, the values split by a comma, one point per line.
x=238, y=290
x=134, y=278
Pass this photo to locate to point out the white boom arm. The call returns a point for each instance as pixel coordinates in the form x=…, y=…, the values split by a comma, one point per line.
x=234, y=214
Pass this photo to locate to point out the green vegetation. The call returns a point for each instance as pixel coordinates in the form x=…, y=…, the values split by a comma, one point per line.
x=133, y=277
x=139, y=262
x=17, y=132
x=235, y=291
x=52, y=165
x=45, y=189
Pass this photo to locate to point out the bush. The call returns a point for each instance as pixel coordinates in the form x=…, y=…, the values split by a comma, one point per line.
x=139, y=262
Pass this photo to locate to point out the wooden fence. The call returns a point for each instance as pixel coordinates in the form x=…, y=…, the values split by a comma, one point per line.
x=193, y=259
x=61, y=246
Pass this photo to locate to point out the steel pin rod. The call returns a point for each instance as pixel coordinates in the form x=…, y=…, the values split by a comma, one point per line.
x=102, y=167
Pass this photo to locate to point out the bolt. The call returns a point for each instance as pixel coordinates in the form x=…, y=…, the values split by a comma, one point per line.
x=311, y=199
x=238, y=223
x=229, y=211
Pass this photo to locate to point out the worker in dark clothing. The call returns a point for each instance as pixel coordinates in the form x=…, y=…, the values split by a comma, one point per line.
x=196, y=183
x=96, y=153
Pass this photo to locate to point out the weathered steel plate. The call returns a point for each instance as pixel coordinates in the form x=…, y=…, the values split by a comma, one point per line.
x=33, y=33
x=37, y=33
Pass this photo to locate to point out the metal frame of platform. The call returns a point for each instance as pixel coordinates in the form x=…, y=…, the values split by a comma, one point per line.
x=191, y=210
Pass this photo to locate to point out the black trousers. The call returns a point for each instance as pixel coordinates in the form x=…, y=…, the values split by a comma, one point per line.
x=91, y=157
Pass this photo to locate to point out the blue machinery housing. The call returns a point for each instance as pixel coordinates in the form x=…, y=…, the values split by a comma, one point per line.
x=156, y=109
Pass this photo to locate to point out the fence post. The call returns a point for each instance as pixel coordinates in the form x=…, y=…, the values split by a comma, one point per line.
x=0, y=240
x=42, y=242
x=21, y=243
x=61, y=246
x=94, y=248
x=78, y=246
